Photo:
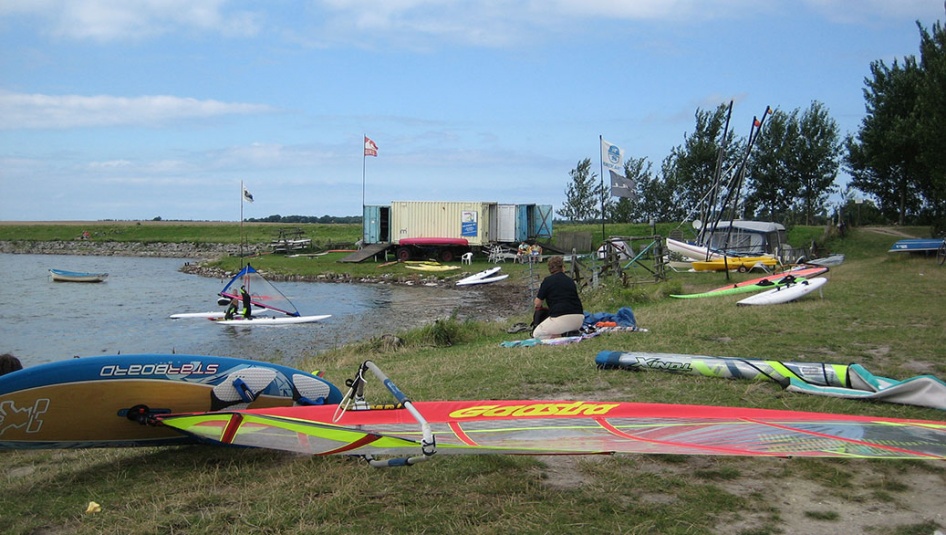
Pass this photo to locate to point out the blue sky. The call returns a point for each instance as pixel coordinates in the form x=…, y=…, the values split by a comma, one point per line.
x=118, y=109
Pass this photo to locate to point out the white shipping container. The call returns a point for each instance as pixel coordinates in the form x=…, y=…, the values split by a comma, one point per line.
x=443, y=219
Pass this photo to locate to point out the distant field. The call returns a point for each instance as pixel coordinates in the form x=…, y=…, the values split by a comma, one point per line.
x=338, y=236
x=174, y=231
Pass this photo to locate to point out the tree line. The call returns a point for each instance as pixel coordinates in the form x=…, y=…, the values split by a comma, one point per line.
x=786, y=169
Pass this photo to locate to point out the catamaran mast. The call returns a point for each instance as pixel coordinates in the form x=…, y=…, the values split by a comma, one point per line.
x=711, y=198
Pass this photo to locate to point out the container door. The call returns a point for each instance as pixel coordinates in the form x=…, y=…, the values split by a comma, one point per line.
x=371, y=225
x=543, y=221
x=506, y=225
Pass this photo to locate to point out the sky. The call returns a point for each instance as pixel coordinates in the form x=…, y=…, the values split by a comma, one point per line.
x=144, y=109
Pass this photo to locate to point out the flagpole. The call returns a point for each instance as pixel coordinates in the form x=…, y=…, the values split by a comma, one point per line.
x=241, y=223
x=364, y=165
x=601, y=160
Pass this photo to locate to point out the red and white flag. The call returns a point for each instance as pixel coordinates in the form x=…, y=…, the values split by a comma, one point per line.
x=371, y=148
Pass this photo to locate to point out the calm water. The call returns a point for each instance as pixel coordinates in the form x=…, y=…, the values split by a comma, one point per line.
x=44, y=321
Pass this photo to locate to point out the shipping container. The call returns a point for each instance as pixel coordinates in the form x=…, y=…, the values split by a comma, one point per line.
x=436, y=219
x=446, y=229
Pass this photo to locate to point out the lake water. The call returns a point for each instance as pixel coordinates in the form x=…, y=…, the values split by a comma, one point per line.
x=44, y=321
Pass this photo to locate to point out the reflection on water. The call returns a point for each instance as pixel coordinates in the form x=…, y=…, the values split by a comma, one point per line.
x=42, y=321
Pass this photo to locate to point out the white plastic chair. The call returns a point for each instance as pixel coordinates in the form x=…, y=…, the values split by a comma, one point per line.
x=496, y=255
x=466, y=258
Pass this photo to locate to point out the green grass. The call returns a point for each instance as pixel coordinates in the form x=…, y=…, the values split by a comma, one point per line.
x=885, y=311
x=327, y=235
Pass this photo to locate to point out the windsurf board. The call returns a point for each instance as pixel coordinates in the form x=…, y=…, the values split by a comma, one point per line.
x=481, y=275
x=785, y=280
x=240, y=321
x=431, y=267
x=804, y=271
x=97, y=401
x=218, y=314
x=482, y=280
x=784, y=294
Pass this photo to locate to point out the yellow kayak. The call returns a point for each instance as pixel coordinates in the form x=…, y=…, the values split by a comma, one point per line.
x=741, y=263
x=432, y=267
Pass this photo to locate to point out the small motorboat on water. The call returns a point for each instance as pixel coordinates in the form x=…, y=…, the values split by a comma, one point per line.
x=61, y=275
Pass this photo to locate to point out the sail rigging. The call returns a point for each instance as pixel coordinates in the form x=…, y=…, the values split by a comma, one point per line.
x=262, y=292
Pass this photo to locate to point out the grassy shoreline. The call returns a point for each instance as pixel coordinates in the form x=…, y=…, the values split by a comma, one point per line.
x=881, y=310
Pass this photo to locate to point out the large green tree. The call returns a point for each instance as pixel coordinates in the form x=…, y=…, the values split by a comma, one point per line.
x=931, y=101
x=583, y=195
x=690, y=170
x=883, y=159
x=813, y=164
x=897, y=154
x=630, y=210
x=769, y=195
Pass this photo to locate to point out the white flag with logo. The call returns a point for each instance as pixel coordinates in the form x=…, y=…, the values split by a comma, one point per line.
x=612, y=157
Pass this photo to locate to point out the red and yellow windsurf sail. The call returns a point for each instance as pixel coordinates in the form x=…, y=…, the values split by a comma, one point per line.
x=534, y=427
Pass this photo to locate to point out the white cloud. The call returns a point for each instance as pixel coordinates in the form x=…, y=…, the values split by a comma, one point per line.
x=109, y=20
x=34, y=111
x=421, y=23
x=501, y=23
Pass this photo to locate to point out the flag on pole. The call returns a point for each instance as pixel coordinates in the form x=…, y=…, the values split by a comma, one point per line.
x=247, y=196
x=621, y=186
x=371, y=148
x=612, y=156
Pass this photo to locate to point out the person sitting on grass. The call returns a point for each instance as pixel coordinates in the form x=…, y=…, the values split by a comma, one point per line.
x=559, y=295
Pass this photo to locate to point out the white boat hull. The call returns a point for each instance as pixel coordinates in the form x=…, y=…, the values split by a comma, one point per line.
x=693, y=252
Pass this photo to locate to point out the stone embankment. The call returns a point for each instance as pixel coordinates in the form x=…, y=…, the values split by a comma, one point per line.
x=115, y=248
x=217, y=273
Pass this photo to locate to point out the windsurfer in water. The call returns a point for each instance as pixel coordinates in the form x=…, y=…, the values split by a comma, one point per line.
x=247, y=312
x=565, y=311
x=231, y=309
